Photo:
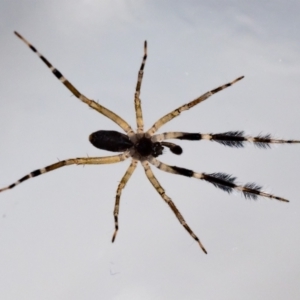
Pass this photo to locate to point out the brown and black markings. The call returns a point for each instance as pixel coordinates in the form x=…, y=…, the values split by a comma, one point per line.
x=144, y=146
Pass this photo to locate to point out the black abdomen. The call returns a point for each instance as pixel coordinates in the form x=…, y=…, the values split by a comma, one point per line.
x=110, y=140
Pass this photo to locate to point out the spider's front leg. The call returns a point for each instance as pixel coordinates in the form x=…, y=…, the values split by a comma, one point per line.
x=68, y=162
x=168, y=200
x=222, y=181
x=235, y=139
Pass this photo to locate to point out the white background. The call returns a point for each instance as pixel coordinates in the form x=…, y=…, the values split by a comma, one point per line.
x=56, y=229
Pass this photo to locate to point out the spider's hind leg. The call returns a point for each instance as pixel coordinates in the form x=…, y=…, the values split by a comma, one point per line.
x=91, y=103
x=68, y=162
x=121, y=186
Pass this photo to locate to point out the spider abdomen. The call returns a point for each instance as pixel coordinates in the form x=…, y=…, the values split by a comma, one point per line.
x=110, y=140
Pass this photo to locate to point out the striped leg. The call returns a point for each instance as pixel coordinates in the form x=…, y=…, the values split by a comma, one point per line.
x=235, y=139
x=72, y=161
x=176, y=112
x=168, y=200
x=101, y=109
x=222, y=181
x=121, y=186
x=137, y=100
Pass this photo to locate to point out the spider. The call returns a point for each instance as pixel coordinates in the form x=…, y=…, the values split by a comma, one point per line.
x=145, y=146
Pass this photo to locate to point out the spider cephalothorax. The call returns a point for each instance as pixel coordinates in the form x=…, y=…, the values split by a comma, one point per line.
x=144, y=146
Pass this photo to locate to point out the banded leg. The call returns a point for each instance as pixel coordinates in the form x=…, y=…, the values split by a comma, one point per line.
x=235, y=139
x=72, y=161
x=222, y=181
x=176, y=112
x=121, y=186
x=168, y=200
x=101, y=109
x=137, y=100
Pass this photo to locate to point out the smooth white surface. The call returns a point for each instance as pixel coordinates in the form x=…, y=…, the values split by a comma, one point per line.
x=55, y=230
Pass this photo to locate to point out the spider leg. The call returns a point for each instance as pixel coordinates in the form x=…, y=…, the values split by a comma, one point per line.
x=91, y=103
x=222, y=181
x=68, y=162
x=176, y=112
x=137, y=100
x=168, y=200
x=235, y=139
x=121, y=186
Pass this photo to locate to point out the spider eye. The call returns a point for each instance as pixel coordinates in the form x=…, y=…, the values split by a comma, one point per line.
x=157, y=149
